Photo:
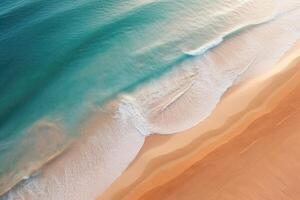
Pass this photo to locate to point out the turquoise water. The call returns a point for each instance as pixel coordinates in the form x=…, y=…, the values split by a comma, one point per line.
x=61, y=59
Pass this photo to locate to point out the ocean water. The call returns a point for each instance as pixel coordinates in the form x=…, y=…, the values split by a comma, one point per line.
x=62, y=61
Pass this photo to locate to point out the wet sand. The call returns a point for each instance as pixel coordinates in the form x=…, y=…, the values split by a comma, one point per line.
x=248, y=148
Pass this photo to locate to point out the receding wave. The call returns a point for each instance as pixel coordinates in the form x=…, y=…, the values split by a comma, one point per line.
x=108, y=84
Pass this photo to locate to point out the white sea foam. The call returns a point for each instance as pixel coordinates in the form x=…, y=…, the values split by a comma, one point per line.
x=178, y=101
x=204, y=48
x=215, y=42
x=215, y=72
x=90, y=165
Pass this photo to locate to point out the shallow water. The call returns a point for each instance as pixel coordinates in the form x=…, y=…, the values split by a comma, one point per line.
x=61, y=60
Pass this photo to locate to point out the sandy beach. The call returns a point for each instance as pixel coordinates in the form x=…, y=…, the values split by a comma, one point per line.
x=129, y=100
x=247, y=149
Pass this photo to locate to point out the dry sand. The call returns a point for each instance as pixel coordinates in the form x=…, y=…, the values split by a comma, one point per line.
x=248, y=148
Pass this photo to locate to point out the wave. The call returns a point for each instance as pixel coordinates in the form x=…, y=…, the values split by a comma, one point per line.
x=215, y=42
x=60, y=60
x=201, y=50
x=178, y=100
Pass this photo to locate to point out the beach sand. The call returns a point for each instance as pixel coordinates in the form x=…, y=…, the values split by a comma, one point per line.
x=248, y=148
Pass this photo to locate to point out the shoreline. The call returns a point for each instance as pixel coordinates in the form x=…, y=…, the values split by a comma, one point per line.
x=111, y=138
x=259, y=162
x=70, y=174
x=100, y=166
x=163, y=158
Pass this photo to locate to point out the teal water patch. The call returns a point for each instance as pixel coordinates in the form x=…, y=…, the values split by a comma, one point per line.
x=59, y=59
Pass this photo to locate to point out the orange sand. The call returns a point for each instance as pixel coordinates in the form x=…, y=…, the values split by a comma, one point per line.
x=247, y=149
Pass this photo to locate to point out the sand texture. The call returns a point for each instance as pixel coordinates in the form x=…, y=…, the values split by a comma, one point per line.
x=248, y=148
